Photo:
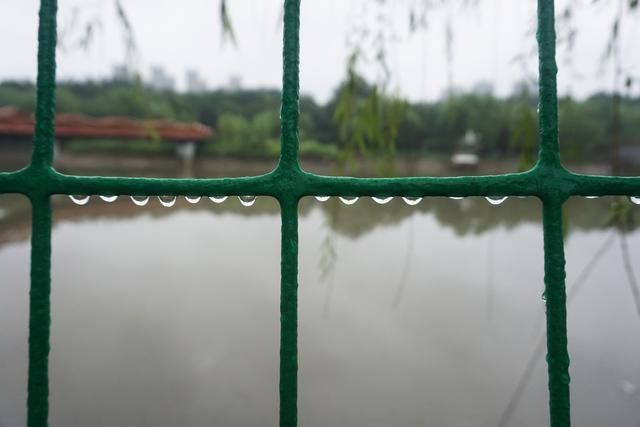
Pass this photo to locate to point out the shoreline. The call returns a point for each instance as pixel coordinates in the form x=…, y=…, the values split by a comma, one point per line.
x=231, y=166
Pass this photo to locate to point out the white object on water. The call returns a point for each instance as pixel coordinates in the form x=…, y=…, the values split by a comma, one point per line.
x=465, y=159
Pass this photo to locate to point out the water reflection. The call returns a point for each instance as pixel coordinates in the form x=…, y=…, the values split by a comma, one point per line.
x=409, y=315
x=471, y=215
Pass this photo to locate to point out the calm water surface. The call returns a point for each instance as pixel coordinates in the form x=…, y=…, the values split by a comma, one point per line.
x=409, y=316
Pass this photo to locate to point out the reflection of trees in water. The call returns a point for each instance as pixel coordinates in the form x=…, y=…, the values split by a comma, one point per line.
x=538, y=351
x=490, y=277
x=473, y=215
x=469, y=216
x=404, y=273
x=476, y=216
x=15, y=224
x=15, y=218
x=624, y=221
x=621, y=218
x=328, y=253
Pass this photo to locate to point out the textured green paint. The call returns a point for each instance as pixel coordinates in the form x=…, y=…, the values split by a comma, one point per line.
x=548, y=180
x=555, y=296
x=548, y=94
x=39, y=313
x=289, y=313
x=41, y=161
x=46, y=86
x=287, y=172
x=554, y=262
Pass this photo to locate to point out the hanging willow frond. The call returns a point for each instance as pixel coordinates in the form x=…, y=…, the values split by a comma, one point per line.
x=130, y=45
x=227, y=27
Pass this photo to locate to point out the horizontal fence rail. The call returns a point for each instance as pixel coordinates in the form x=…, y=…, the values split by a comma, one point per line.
x=288, y=183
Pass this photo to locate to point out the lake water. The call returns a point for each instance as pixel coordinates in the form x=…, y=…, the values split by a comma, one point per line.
x=429, y=315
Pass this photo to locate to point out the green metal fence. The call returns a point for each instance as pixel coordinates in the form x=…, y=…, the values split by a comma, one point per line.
x=288, y=183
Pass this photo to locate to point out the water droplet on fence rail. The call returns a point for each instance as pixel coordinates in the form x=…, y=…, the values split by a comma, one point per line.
x=140, y=200
x=382, y=200
x=412, y=201
x=80, y=200
x=192, y=199
x=496, y=200
x=167, y=201
x=322, y=198
x=247, y=200
x=109, y=199
x=218, y=199
x=348, y=200
x=635, y=200
x=456, y=197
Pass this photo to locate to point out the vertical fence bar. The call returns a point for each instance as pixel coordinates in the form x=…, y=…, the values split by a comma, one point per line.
x=289, y=165
x=46, y=86
x=290, y=111
x=555, y=292
x=548, y=94
x=39, y=313
x=289, y=314
x=42, y=159
x=555, y=295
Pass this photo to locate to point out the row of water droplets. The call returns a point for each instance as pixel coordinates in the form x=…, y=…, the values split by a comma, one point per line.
x=166, y=201
x=169, y=201
x=634, y=199
x=412, y=201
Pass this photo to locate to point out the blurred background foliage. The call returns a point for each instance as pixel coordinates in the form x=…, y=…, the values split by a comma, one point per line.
x=366, y=119
x=246, y=122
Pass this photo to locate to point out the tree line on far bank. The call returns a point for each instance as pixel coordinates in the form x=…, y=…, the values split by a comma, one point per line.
x=245, y=121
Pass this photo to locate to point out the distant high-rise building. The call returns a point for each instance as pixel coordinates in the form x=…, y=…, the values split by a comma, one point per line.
x=121, y=73
x=195, y=83
x=160, y=79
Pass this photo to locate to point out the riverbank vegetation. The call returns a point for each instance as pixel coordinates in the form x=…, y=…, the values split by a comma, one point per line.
x=245, y=121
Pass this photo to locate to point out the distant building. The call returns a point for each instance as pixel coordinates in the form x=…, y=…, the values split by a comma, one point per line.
x=466, y=154
x=121, y=73
x=483, y=87
x=160, y=79
x=525, y=86
x=235, y=82
x=195, y=83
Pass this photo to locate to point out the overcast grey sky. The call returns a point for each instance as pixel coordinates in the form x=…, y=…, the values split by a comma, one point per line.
x=186, y=34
